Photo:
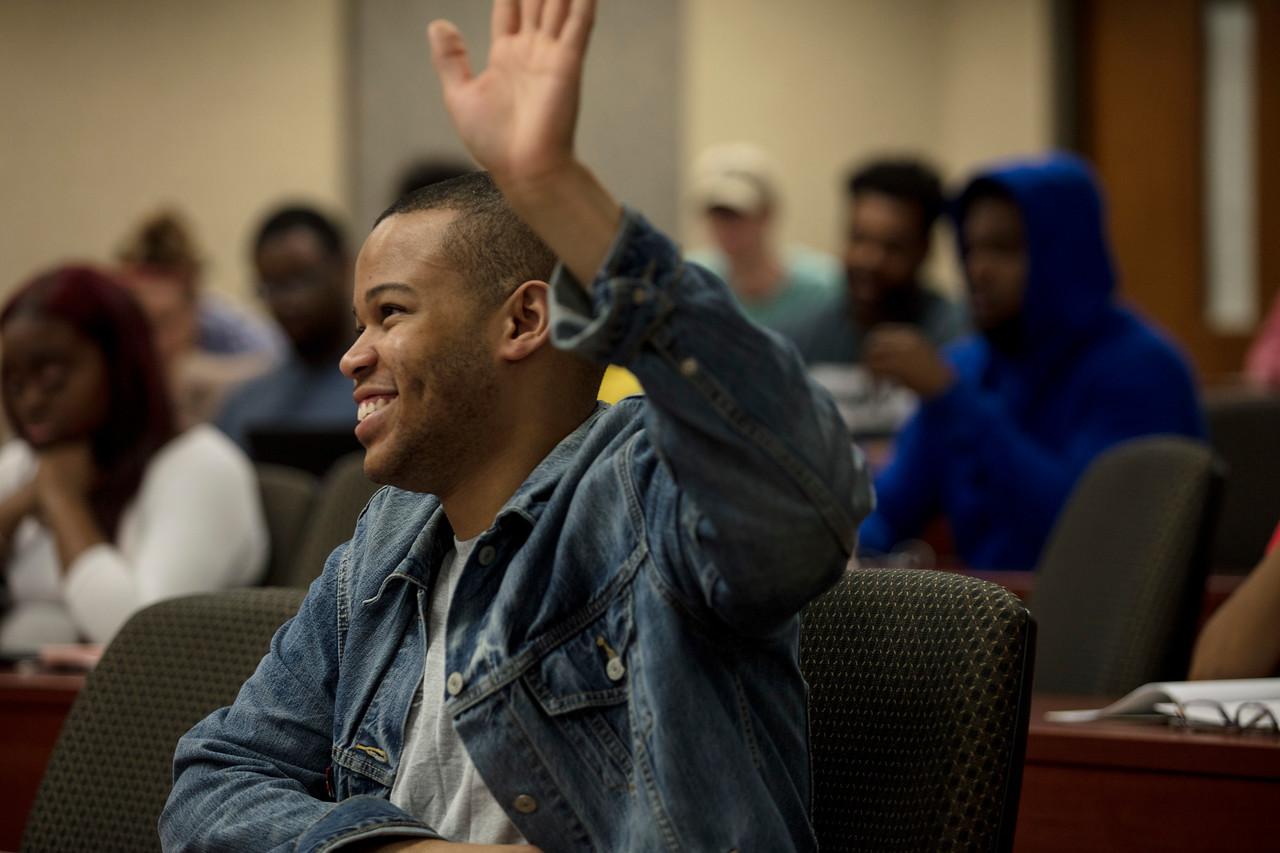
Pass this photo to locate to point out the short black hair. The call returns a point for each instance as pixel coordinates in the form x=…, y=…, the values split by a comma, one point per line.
x=907, y=180
x=301, y=216
x=424, y=173
x=982, y=189
x=488, y=243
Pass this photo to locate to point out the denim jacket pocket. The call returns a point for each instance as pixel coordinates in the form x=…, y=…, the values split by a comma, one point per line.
x=582, y=686
x=358, y=771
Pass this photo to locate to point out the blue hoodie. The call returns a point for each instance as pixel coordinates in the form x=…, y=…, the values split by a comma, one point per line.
x=999, y=452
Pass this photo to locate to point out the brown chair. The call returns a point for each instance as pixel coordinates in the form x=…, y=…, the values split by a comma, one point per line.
x=170, y=666
x=919, y=695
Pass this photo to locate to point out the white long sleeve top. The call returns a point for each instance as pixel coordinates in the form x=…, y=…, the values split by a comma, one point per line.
x=195, y=525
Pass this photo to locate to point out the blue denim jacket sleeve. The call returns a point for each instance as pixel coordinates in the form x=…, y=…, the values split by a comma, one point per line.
x=252, y=776
x=770, y=488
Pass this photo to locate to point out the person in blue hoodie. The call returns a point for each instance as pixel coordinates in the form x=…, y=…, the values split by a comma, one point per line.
x=1057, y=373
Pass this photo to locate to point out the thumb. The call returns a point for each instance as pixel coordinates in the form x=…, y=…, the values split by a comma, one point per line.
x=449, y=54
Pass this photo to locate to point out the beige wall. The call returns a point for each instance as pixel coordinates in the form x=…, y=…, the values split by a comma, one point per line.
x=629, y=131
x=111, y=109
x=823, y=84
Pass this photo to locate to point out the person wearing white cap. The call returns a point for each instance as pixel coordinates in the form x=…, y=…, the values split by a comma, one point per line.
x=735, y=188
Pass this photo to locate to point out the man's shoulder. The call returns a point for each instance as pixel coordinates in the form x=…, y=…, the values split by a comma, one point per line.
x=1130, y=342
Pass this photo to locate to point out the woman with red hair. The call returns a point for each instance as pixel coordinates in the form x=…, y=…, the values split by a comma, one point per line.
x=104, y=506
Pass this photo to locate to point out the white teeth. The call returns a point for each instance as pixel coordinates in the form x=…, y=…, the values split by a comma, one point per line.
x=368, y=407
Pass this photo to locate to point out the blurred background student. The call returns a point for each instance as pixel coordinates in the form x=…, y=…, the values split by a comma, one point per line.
x=304, y=276
x=737, y=193
x=106, y=506
x=206, y=345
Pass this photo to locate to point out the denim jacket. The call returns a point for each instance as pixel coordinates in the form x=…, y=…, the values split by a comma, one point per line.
x=622, y=644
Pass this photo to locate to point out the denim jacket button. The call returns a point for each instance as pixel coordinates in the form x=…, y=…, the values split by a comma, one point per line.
x=454, y=684
x=525, y=804
x=614, y=669
x=487, y=555
x=689, y=366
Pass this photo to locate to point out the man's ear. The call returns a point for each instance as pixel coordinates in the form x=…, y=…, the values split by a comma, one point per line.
x=526, y=321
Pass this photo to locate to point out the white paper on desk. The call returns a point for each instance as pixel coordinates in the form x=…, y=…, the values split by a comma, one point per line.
x=1247, y=714
x=1145, y=699
x=869, y=406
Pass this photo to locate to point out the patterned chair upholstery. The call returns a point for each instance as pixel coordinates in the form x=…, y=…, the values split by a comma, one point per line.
x=919, y=694
x=169, y=667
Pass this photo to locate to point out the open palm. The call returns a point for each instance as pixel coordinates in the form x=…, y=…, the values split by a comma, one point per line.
x=517, y=117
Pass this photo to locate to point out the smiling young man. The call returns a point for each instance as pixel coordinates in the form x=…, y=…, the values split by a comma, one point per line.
x=563, y=624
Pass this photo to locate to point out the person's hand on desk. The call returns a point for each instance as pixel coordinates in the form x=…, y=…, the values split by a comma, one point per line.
x=1240, y=640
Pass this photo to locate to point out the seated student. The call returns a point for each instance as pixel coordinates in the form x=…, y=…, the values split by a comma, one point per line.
x=304, y=272
x=891, y=208
x=567, y=623
x=1059, y=372
x=736, y=192
x=104, y=506
x=1242, y=638
x=206, y=346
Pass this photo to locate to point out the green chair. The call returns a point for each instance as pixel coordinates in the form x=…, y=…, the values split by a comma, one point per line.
x=1120, y=582
x=919, y=695
x=344, y=491
x=287, y=498
x=170, y=666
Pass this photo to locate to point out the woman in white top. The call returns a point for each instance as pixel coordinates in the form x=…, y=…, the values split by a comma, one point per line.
x=104, y=507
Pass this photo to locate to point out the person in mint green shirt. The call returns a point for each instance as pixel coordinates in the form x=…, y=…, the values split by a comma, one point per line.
x=780, y=289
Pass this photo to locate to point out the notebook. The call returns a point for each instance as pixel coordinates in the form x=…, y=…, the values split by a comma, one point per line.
x=1249, y=703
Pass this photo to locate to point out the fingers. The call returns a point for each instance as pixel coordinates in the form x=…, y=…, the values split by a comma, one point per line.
x=577, y=27
x=448, y=54
x=506, y=18
x=554, y=14
x=530, y=14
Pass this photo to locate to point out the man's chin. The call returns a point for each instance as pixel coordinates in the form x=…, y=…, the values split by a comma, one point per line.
x=389, y=472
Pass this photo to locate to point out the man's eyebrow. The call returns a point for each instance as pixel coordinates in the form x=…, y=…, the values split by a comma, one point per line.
x=377, y=289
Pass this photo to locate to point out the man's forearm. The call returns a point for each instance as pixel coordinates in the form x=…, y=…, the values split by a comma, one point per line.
x=572, y=212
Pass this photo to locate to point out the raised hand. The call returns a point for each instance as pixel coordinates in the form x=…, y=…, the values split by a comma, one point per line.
x=517, y=117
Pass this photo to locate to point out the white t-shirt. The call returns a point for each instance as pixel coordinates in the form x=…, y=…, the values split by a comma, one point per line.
x=436, y=782
x=195, y=525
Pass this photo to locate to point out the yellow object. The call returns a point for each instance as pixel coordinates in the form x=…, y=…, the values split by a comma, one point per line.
x=618, y=383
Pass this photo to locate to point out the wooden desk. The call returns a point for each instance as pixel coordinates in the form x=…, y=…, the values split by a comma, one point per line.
x=32, y=708
x=1126, y=786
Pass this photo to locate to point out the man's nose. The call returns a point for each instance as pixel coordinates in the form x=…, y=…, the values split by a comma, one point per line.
x=358, y=360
